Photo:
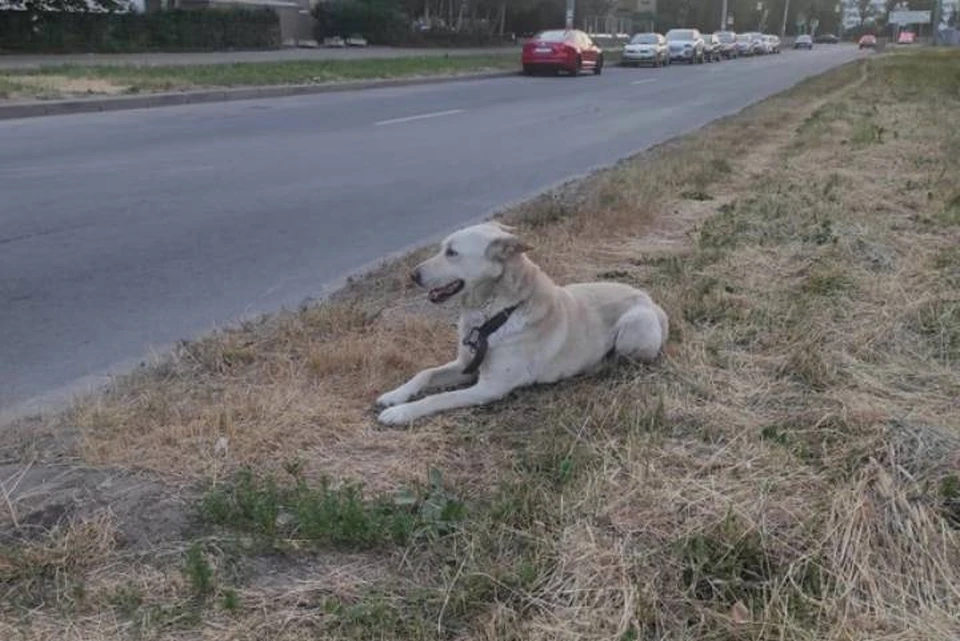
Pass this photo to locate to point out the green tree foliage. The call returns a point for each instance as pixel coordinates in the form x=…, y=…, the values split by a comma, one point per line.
x=526, y=16
x=92, y=6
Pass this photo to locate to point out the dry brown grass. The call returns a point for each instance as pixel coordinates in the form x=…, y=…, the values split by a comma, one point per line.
x=790, y=471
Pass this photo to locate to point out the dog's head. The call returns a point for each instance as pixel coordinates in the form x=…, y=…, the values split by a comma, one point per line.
x=468, y=260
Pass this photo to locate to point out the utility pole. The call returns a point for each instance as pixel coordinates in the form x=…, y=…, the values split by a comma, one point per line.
x=570, y=8
x=723, y=17
x=783, y=25
x=937, y=8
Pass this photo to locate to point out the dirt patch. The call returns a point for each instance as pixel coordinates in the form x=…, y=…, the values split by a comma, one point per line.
x=40, y=498
x=54, y=86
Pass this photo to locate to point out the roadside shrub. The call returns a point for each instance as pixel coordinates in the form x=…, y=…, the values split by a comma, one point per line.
x=379, y=23
x=195, y=30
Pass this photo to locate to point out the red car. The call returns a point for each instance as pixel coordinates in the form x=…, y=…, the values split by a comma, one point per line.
x=906, y=38
x=868, y=41
x=572, y=51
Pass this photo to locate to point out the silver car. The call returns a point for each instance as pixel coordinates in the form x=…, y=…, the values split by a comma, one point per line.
x=771, y=42
x=746, y=45
x=646, y=49
x=685, y=45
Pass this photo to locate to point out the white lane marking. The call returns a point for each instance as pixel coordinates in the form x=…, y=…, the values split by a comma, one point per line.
x=643, y=82
x=435, y=114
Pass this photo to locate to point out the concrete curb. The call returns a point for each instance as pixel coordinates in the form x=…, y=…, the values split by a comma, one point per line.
x=116, y=103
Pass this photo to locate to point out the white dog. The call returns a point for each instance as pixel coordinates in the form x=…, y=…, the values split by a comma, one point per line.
x=517, y=327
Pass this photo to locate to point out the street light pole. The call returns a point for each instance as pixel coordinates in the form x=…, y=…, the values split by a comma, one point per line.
x=723, y=17
x=570, y=8
x=937, y=8
x=783, y=25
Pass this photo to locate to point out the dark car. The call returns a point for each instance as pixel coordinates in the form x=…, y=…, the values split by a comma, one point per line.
x=570, y=50
x=711, y=48
x=803, y=42
x=728, y=44
x=827, y=39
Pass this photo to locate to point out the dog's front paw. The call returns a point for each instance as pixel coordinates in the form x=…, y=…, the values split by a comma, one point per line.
x=397, y=415
x=394, y=397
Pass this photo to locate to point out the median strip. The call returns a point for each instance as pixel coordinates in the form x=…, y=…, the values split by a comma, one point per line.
x=69, y=89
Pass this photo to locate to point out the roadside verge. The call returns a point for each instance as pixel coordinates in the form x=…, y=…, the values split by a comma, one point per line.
x=36, y=108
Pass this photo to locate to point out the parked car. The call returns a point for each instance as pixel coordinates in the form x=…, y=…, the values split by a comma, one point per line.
x=906, y=38
x=804, y=41
x=334, y=41
x=356, y=40
x=711, y=48
x=646, y=49
x=867, y=41
x=746, y=44
x=685, y=45
x=555, y=50
x=827, y=39
x=771, y=42
x=728, y=44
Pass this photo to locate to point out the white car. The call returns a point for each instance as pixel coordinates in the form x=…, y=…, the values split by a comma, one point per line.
x=646, y=49
x=356, y=40
x=771, y=43
x=685, y=45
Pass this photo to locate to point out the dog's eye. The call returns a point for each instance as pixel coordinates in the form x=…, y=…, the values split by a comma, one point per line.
x=450, y=252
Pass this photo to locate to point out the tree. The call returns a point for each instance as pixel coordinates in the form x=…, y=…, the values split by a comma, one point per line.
x=76, y=6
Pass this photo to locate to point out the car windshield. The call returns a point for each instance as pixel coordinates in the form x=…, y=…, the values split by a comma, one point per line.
x=803, y=38
x=743, y=37
x=680, y=34
x=644, y=39
x=725, y=37
x=552, y=36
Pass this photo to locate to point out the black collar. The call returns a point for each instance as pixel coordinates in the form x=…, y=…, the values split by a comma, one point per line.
x=476, y=338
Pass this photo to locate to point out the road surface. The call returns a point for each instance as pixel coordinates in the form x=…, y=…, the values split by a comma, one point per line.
x=123, y=232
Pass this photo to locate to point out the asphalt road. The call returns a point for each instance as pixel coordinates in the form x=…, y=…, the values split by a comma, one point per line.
x=123, y=232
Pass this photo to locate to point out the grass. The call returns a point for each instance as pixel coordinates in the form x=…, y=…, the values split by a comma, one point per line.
x=341, y=516
x=73, y=80
x=788, y=471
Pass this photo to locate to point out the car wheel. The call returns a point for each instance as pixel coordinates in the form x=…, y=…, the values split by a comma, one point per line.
x=577, y=67
x=598, y=68
x=527, y=70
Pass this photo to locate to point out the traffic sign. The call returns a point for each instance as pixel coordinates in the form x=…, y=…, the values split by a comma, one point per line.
x=903, y=18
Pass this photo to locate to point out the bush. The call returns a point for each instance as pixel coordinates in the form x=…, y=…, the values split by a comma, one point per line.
x=384, y=24
x=196, y=30
x=379, y=23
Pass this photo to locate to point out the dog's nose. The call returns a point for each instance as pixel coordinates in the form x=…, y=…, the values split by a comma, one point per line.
x=415, y=276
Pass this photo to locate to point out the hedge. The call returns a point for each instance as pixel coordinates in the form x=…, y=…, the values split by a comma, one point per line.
x=383, y=24
x=178, y=30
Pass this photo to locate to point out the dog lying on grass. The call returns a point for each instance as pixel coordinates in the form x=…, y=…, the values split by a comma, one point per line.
x=517, y=327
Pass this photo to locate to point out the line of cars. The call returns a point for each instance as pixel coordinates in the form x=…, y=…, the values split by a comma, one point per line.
x=575, y=52
x=693, y=47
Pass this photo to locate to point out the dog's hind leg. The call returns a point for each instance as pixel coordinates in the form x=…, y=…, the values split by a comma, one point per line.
x=449, y=375
x=641, y=333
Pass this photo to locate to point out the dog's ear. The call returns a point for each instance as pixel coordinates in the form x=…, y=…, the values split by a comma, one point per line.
x=506, y=247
